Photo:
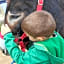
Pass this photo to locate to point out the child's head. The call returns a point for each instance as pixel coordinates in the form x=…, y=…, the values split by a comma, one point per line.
x=39, y=24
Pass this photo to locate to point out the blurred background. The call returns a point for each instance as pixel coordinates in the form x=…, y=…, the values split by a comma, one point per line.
x=4, y=59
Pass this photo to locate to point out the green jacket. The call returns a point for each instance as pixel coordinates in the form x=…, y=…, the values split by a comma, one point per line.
x=44, y=52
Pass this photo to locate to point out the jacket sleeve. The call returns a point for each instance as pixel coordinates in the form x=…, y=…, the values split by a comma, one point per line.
x=35, y=55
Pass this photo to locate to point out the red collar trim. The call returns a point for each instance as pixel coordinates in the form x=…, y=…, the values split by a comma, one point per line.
x=40, y=5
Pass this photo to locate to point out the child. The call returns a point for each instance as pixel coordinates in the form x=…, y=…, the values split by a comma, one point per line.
x=48, y=48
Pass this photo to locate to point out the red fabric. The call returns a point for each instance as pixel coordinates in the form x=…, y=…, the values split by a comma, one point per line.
x=23, y=36
x=40, y=5
x=41, y=1
x=16, y=40
x=21, y=43
x=1, y=36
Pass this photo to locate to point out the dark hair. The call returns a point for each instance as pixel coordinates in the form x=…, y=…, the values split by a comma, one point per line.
x=38, y=24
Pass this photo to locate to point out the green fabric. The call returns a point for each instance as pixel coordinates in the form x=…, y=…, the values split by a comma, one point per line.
x=37, y=54
x=55, y=46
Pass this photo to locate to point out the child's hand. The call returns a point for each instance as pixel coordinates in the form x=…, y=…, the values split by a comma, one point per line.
x=5, y=29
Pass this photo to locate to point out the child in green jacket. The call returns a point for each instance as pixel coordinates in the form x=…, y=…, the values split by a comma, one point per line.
x=48, y=46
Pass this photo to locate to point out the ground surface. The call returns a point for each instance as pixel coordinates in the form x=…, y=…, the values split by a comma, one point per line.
x=5, y=59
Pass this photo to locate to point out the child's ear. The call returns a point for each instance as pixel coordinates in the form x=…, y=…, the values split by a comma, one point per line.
x=41, y=38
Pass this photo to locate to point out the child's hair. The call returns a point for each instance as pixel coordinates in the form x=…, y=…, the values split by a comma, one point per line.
x=39, y=24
